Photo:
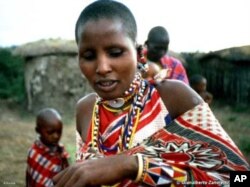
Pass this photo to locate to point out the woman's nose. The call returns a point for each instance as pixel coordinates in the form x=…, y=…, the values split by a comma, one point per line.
x=103, y=65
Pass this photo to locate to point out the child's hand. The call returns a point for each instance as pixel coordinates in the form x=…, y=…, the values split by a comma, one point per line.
x=163, y=74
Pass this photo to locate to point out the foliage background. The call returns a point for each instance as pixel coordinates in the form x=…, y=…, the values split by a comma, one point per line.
x=11, y=76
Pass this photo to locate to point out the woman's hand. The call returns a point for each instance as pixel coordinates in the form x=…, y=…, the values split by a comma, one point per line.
x=104, y=171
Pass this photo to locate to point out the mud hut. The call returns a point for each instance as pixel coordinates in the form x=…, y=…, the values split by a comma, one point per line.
x=52, y=76
x=228, y=74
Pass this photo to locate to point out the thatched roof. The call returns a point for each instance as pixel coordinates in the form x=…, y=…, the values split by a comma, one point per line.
x=234, y=54
x=46, y=47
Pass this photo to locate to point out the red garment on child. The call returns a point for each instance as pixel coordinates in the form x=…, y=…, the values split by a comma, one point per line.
x=43, y=164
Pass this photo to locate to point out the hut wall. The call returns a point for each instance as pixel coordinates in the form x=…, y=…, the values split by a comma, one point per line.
x=54, y=81
x=228, y=81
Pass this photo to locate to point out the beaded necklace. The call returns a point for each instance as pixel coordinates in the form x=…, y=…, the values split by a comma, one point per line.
x=137, y=92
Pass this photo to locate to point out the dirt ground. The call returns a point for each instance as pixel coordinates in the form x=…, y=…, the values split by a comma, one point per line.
x=17, y=134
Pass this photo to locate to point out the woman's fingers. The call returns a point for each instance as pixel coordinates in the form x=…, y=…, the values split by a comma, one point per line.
x=67, y=177
x=70, y=180
x=59, y=176
x=103, y=171
x=75, y=175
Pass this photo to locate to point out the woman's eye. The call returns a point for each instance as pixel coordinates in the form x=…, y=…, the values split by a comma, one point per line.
x=115, y=52
x=88, y=55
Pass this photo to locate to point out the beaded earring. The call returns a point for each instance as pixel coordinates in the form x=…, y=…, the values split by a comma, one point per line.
x=142, y=62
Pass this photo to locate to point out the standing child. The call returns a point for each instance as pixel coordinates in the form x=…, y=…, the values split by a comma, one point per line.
x=199, y=84
x=46, y=157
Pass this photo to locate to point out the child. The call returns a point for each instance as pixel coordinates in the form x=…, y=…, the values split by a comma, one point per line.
x=199, y=84
x=46, y=157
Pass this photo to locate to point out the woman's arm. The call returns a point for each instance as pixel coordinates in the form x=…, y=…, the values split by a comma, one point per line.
x=177, y=96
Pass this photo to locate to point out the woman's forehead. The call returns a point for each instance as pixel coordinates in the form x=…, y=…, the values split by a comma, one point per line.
x=104, y=32
x=101, y=26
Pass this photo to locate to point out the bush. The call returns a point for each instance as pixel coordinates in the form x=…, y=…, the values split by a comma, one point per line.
x=244, y=145
x=11, y=76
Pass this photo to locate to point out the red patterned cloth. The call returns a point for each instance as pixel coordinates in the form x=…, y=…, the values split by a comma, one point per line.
x=152, y=119
x=196, y=143
x=43, y=164
x=193, y=149
x=175, y=67
x=177, y=70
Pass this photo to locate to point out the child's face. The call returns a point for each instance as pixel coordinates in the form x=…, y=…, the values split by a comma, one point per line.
x=50, y=134
x=202, y=86
x=107, y=57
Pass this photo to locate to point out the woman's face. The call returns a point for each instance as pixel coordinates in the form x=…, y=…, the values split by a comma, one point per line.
x=107, y=57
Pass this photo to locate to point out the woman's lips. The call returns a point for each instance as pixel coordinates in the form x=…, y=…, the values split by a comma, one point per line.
x=106, y=85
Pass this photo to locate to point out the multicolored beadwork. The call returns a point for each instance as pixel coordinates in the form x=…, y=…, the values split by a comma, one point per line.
x=138, y=90
x=161, y=174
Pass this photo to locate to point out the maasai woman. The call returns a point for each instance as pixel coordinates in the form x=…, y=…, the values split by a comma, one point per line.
x=133, y=133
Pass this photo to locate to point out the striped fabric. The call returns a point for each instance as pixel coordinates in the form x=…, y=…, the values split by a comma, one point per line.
x=151, y=120
x=43, y=164
x=177, y=70
x=196, y=143
x=192, y=150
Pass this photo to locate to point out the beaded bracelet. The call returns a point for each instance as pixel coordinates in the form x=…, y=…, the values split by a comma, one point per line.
x=154, y=173
x=142, y=167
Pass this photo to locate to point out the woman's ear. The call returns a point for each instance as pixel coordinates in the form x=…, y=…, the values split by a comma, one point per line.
x=37, y=129
x=142, y=61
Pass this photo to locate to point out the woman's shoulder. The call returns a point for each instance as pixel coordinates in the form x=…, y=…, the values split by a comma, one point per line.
x=177, y=96
x=86, y=101
x=84, y=109
x=173, y=86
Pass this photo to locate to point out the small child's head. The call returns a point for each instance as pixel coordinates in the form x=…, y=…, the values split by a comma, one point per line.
x=49, y=126
x=198, y=83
